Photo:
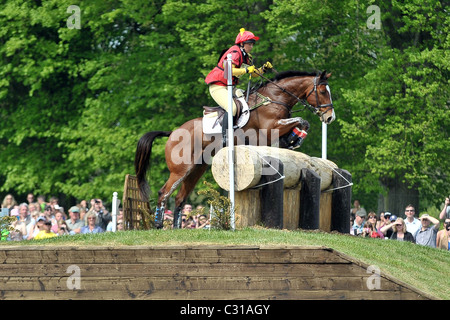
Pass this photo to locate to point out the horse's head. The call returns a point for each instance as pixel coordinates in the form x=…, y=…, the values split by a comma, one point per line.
x=320, y=98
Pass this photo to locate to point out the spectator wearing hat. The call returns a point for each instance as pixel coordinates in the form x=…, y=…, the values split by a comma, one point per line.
x=387, y=218
x=44, y=229
x=412, y=224
x=60, y=209
x=426, y=235
x=387, y=230
x=74, y=223
x=358, y=225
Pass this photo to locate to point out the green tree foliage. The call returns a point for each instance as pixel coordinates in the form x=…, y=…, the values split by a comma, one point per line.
x=400, y=112
x=74, y=102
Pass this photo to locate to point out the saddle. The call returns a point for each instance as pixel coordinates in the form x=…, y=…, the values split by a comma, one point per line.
x=213, y=116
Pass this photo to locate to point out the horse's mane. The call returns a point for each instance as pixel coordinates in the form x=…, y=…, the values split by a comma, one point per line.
x=286, y=74
x=293, y=73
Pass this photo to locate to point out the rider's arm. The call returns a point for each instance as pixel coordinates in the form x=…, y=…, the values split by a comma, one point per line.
x=237, y=72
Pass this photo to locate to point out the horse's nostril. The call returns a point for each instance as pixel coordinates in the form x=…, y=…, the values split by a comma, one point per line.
x=329, y=119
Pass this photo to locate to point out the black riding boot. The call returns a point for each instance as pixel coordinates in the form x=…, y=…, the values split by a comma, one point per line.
x=283, y=142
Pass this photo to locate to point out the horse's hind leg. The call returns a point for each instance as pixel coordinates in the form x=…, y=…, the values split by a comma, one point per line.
x=187, y=187
x=163, y=194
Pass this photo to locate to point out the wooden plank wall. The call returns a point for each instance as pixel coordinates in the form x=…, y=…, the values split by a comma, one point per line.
x=203, y=272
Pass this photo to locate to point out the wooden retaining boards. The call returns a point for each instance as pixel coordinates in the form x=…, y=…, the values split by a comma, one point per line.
x=190, y=272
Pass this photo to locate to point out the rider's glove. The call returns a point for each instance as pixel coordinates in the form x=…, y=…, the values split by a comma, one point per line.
x=267, y=65
x=250, y=69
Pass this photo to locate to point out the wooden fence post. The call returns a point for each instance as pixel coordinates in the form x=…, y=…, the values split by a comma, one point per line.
x=310, y=200
x=341, y=201
x=272, y=193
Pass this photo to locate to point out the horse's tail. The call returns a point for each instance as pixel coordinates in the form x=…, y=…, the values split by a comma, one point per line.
x=142, y=159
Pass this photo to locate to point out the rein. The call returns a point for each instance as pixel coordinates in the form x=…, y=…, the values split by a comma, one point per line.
x=313, y=109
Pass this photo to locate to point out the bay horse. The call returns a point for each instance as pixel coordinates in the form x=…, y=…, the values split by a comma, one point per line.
x=186, y=146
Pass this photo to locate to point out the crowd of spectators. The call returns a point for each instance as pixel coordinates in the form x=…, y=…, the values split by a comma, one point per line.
x=190, y=219
x=424, y=230
x=39, y=219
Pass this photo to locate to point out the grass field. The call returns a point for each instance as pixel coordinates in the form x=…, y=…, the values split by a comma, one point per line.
x=424, y=268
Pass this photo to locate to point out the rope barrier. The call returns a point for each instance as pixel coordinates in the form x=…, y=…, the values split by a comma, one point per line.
x=269, y=182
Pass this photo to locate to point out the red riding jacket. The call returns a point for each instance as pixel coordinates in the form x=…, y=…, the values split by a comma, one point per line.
x=216, y=74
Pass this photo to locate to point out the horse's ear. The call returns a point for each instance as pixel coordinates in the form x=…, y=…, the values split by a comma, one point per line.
x=328, y=75
x=322, y=76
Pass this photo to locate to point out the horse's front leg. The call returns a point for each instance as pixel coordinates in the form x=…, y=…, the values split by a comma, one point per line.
x=292, y=132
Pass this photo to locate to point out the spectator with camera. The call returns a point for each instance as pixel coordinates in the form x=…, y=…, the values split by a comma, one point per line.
x=62, y=229
x=103, y=216
x=445, y=213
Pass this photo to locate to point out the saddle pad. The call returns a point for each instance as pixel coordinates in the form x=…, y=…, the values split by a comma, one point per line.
x=211, y=123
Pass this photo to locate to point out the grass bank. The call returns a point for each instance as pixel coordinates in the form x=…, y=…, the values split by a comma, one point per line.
x=424, y=268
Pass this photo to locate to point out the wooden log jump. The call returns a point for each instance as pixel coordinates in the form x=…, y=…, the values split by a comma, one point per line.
x=286, y=189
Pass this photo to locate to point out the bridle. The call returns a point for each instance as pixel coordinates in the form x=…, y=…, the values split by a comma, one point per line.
x=306, y=104
x=319, y=106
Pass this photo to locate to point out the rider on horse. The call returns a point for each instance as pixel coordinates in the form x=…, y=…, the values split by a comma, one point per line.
x=242, y=63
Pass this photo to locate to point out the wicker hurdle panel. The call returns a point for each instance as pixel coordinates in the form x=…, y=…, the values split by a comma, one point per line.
x=136, y=212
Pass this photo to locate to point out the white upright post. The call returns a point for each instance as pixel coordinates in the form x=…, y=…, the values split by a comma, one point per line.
x=230, y=136
x=324, y=140
x=114, y=212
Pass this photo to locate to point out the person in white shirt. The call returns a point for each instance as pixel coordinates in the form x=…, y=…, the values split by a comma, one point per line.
x=412, y=224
